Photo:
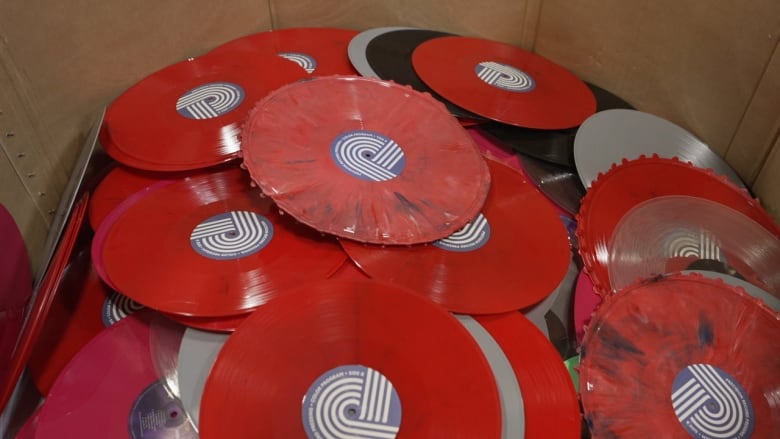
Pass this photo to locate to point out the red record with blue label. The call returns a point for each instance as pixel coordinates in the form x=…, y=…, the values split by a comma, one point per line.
x=318, y=50
x=112, y=388
x=365, y=159
x=511, y=256
x=343, y=358
x=189, y=115
x=679, y=357
x=209, y=246
x=503, y=82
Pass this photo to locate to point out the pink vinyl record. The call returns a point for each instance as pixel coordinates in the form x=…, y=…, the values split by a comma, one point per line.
x=586, y=301
x=112, y=388
x=15, y=271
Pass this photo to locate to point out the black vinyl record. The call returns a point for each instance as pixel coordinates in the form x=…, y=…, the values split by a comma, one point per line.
x=390, y=56
x=554, y=146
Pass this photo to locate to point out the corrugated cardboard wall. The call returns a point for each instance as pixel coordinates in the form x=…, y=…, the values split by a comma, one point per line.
x=713, y=69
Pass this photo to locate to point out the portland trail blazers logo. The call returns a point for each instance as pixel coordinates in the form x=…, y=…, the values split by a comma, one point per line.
x=307, y=62
x=471, y=237
x=368, y=155
x=710, y=403
x=232, y=235
x=351, y=401
x=116, y=307
x=210, y=100
x=504, y=76
x=704, y=245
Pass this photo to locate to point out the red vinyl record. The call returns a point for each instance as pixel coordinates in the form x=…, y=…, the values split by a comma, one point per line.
x=550, y=404
x=366, y=160
x=320, y=51
x=82, y=308
x=349, y=270
x=112, y=388
x=625, y=185
x=119, y=184
x=513, y=255
x=41, y=302
x=682, y=356
x=209, y=246
x=355, y=356
x=99, y=239
x=216, y=324
x=189, y=115
x=503, y=82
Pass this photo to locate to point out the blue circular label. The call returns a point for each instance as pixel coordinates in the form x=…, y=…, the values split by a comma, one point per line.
x=306, y=61
x=472, y=236
x=210, y=100
x=351, y=401
x=157, y=414
x=710, y=403
x=232, y=235
x=116, y=307
x=504, y=76
x=368, y=155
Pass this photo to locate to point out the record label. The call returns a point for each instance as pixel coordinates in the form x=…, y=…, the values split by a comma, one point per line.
x=116, y=307
x=354, y=400
x=472, y=236
x=210, y=100
x=307, y=62
x=232, y=235
x=156, y=413
x=710, y=403
x=504, y=76
x=368, y=155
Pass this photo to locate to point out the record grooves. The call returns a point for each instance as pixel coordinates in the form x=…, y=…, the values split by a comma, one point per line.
x=514, y=253
x=503, y=82
x=694, y=356
x=390, y=56
x=190, y=112
x=209, y=246
x=335, y=330
x=363, y=159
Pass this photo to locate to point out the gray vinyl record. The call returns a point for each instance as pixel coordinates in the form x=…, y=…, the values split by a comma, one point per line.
x=609, y=136
x=197, y=353
x=357, y=49
x=768, y=299
x=558, y=302
x=512, y=409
